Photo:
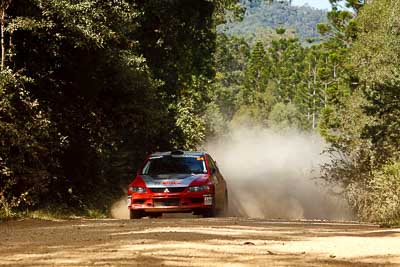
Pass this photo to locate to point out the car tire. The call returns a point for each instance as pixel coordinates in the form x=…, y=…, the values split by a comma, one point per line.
x=225, y=209
x=211, y=212
x=135, y=214
x=197, y=212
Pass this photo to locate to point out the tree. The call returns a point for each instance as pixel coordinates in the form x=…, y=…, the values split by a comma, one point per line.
x=362, y=124
x=90, y=87
x=3, y=8
x=231, y=61
x=377, y=70
x=285, y=117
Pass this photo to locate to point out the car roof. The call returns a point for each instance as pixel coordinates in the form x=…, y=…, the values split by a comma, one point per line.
x=179, y=152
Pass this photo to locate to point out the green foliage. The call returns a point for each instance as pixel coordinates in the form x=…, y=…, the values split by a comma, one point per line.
x=258, y=72
x=280, y=31
x=23, y=157
x=285, y=117
x=379, y=199
x=91, y=87
x=346, y=86
x=216, y=124
x=376, y=52
x=255, y=113
x=178, y=44
x=362, y=123
x=228, y=91
x=351, y=152
x=88, y=88
x=91, y=22
x=263, y=17
x=286, y=72
x=192, y=127
x=324, y=28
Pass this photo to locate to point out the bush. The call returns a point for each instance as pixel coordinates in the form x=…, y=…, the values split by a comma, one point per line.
x=23, y=156
x=379, y=199
x=285, y=116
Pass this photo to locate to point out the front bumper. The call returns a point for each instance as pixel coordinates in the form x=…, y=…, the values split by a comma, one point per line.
x=171, y=202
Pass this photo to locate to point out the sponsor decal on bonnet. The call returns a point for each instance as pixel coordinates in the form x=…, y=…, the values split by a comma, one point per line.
x=171, y=181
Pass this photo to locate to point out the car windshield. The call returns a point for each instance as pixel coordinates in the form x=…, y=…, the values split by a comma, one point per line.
x=174, y=164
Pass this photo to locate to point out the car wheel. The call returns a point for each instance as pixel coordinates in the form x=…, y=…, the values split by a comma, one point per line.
x=198, y=212
x=135, y=214
x=211, y=212
x=225, y=209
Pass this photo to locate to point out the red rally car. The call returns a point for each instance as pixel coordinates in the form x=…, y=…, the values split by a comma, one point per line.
x=178, y=181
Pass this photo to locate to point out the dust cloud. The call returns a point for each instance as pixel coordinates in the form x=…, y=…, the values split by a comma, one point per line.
x=272, y=175
x=275, y=175
x=119, y=210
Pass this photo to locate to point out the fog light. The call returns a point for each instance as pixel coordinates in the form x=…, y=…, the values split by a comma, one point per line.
x=199, y=188
x=137, y=189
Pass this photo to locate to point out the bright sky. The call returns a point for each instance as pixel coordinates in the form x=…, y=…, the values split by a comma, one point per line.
x=321, y=4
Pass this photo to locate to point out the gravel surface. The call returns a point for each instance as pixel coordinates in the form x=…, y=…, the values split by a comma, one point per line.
x=196, y=242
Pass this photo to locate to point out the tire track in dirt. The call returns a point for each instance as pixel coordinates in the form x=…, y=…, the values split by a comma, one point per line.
x=196, y=242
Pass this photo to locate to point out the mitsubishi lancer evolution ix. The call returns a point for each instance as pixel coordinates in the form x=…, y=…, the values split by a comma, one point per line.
x=178, y=181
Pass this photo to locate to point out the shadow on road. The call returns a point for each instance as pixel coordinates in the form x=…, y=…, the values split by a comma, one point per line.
x=196, y=242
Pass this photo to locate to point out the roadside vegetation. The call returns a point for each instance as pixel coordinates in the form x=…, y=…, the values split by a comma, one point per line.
x=88, y=88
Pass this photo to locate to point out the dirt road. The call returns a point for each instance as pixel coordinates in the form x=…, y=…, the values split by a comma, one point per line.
x=196, y=242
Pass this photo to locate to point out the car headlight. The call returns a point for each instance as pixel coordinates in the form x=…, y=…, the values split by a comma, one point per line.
x=137, y=189
x=199, y=188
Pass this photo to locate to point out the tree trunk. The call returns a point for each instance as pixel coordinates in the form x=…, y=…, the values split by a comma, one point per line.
x=3, y=49
x=3, y=7
x=313, y=112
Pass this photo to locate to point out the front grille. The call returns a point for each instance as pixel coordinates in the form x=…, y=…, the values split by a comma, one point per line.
x=166, y=202
x=196, y=200
x=138, y=201
x=170, y=189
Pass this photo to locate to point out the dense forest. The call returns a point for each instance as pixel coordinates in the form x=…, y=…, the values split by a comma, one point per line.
x=261, y=18
x=88, y=88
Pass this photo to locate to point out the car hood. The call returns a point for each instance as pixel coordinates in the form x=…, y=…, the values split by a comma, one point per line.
x=171, y=180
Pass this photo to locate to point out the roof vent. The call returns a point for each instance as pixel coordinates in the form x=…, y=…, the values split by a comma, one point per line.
x=177, y=152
